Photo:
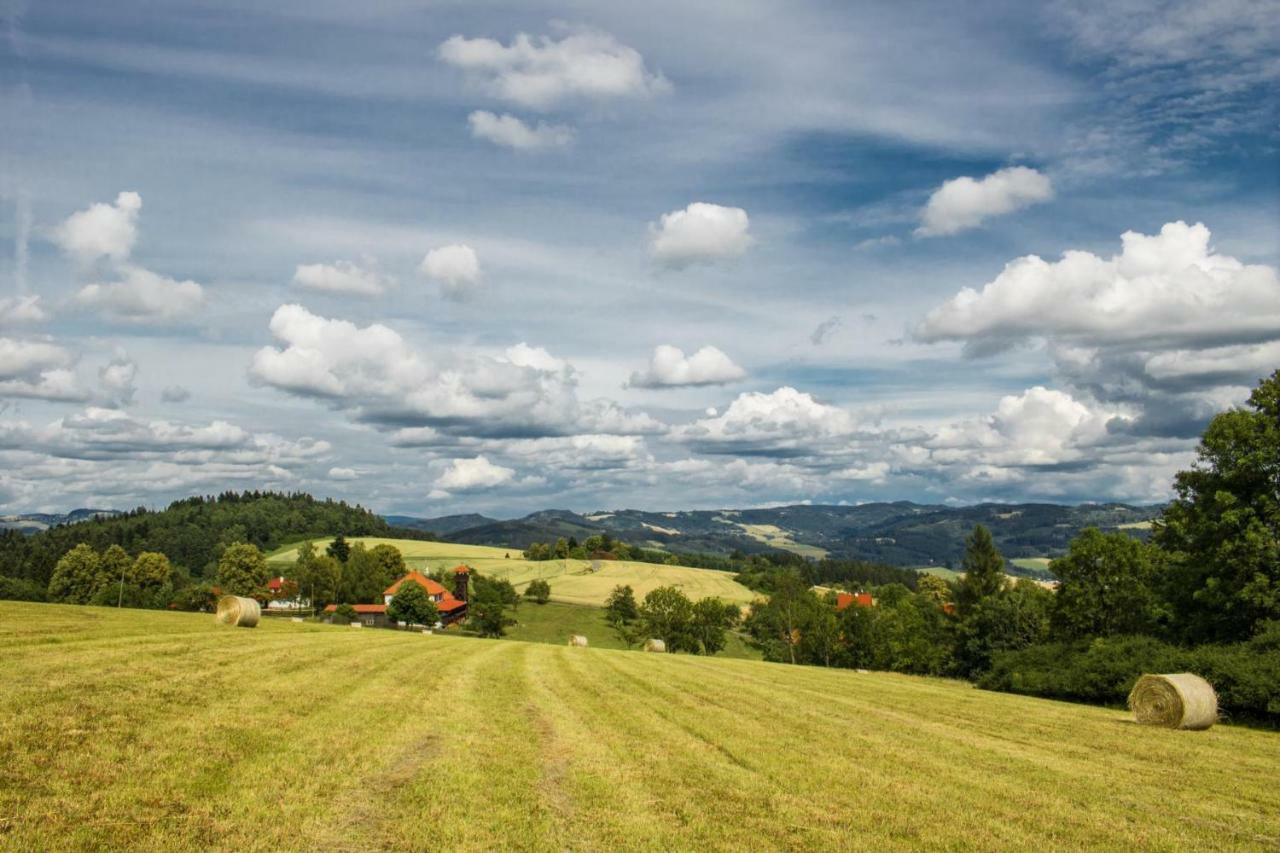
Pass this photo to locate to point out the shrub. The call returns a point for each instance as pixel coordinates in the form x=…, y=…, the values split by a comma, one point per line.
x=17, y=589
x=345, y=614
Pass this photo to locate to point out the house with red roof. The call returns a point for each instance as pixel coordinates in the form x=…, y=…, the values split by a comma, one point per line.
x=452, y=606
x=283, y=594
x=848, y=599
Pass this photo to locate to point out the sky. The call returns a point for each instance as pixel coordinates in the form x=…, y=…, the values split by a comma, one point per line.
x=439, y=257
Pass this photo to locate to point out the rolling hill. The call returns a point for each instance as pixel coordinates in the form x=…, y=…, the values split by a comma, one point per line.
x=132, y=729
x=900, y=533
x=572, y=581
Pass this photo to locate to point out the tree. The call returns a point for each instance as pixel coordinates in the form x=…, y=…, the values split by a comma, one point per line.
x=1009, y=620
x=487, y=607
x=934, y=589
x=778, y=625
x=339, y=549
x=708, y=622
x=242, y=570
x=667, y=614
x=1222, y=529
x=1106, y=587
x=983, y=568
x=561, y=549
x=389, y=560
x=620, y=607
x=78, y=575
x=115, y=568
x=411, y=604
x=318, y=576
x=151, y=569
x=538, y=590
x=365, y=576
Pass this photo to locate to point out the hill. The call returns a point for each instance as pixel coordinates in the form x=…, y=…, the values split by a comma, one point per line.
x=162, y=730
x=899, y=534
x=572, y=581
x=36, y=522
x=191, y=531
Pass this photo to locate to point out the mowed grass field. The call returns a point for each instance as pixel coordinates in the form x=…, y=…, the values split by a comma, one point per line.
x=164, y=731
x=572, y=581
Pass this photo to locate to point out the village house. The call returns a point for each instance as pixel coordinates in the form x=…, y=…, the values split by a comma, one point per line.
x=278, y=599
x=847, y=599
x=452, y=606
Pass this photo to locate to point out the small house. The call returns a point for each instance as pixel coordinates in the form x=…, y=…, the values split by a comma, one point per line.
x=848, y=599
x=451, y=606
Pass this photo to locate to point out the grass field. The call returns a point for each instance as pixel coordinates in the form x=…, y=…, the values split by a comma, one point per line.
x=572, y=581
x=555, y=622
x=163, y=731
x=1036, y=563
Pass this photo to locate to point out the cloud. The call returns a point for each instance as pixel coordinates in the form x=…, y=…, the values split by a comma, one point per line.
x=469, y=475
x=511, y=132
x=102, y=230
x=540, y=72
x=670, y=368
x=872, y=243
x=343, y=474
x=455, y=267
x=964, y=203
x=783, y=423
x=373, y=373
x=21, y=309
x=824, y=330
x=144, y=298
x=1165, y=290
x=175, y=394
x=701, y=232
x=342, y=277
x=117, y=379
x=37, y=370
x=1168, y=327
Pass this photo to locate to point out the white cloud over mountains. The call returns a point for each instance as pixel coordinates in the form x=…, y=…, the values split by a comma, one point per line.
x=701, y=232
x=541, y=72
x=964, y=203
x=511, y=132
x=671, y=368
x=468, y=475
x=373, y=373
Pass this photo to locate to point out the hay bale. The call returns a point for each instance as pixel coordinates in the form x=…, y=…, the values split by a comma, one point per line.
x=355, y=625
x=297, y=619
x=1178, y=701
x=655, y=645
x=238, y=610
x=578, y=640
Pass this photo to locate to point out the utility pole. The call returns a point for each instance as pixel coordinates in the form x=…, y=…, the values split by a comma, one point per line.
x=120, y=595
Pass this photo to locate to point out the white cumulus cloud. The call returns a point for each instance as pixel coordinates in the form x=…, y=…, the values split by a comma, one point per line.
x=468, y=475
x=343, y=474
x=145, y=298
x=671, y=368
x=342, y=277
x=701, y=232
x=511, y=132
x=38, y=370
x=964, y=203
x=455, y=267
x=102, y=230
x=539, y=72
x=21, y=309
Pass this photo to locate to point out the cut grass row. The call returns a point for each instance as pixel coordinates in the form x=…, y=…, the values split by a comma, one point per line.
x=163, y=731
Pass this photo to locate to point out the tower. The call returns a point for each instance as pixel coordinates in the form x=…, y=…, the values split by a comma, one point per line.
x=461, y=575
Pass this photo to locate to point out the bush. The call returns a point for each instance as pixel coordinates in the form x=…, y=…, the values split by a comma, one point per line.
x=345, y=614
x=17, y=589
x=1245, y=675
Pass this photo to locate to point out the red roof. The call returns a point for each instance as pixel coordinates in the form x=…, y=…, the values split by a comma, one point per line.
x=275, y=584
x=425, y=582
x=862, y=599
x=448, y=604
x=360, y=608
x=462, y=570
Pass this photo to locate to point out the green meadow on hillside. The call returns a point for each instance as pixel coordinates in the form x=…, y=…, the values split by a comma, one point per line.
x=572, y=581
x=163, y=730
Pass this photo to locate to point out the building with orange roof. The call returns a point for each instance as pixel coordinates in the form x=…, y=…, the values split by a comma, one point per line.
x=451, y=606
x=847, y=599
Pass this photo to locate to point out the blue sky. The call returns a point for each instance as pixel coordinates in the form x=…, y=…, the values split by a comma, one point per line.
x=444, y=257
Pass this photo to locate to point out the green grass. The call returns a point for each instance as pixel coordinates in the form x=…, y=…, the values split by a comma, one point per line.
x=1135, y=525
x=1035, y=563
x=554, y=622
x=572, y=581
x=164, y=731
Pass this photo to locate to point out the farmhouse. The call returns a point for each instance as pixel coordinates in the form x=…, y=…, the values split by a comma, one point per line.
x=451, y=606
x=278, y=589
x=848, y=599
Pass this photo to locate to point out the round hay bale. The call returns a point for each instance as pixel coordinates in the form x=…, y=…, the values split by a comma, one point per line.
x=578, y=640
x=1177, y=701
x=238, y=610
x=655, y=645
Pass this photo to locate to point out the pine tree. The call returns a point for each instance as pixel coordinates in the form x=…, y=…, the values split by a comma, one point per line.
x=983, y=568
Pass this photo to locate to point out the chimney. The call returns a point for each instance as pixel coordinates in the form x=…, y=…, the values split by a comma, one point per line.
x=460, y=577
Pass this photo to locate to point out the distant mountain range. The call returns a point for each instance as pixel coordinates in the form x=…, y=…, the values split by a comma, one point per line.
x=34, y=522
x=900, y=533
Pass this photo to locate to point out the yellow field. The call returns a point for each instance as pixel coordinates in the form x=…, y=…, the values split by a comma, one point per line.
x=162, y=731
x=776, y=537
x=572, y=581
